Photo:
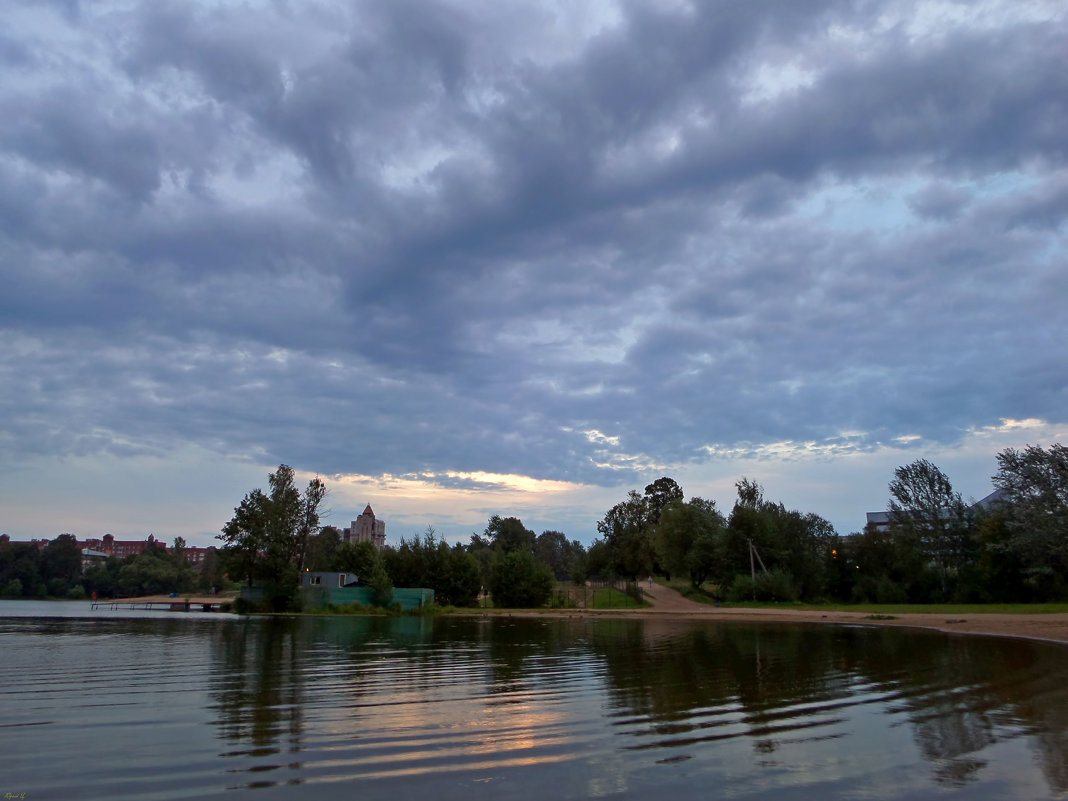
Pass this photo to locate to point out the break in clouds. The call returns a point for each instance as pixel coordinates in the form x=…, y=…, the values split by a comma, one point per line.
x=566, y=241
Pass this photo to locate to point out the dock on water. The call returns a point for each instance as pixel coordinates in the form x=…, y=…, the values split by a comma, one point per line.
x=181, y=603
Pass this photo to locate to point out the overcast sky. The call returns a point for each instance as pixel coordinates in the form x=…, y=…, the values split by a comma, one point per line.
x=465, y=258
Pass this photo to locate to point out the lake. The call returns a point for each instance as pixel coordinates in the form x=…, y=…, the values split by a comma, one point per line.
x=160, y=705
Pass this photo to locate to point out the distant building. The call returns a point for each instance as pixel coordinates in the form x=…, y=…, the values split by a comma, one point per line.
x=367, y=528
x=196, y=555
x=880, y=521
x=91, y=558
x=97, y=550
x=121, y=548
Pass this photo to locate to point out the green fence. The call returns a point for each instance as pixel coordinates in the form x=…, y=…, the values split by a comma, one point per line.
x=409, y=598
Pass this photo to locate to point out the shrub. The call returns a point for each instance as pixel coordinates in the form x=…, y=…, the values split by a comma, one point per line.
x=774, y=586
x=381, y=586
x=242, y=606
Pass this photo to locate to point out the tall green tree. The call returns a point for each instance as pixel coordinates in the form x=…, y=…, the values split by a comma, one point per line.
x=553, y=548
x=508, y=534
x=61, y=564
x=20, y=570
x=925, y=509
x=628, y=537
x=690, y=539
x=245, y=537
x=266, y=540
x=658, y=495
x=1033, y=488
x=360, y=558
x=463, y=578
x=323, y=549
x=520, y=580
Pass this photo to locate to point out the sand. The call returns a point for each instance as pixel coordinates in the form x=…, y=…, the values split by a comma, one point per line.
x=668, y=604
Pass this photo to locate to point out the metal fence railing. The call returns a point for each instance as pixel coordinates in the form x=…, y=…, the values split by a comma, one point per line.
x=598, y=594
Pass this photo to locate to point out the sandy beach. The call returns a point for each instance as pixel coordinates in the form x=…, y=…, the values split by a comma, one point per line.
x=668, y=604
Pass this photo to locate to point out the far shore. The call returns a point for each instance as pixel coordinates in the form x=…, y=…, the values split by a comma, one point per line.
x=669, y=606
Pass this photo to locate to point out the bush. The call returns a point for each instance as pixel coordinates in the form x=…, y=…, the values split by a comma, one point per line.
x=381, y=586
x=243, y=606
x=13, y=589
x=775, y=586
x=881, y=590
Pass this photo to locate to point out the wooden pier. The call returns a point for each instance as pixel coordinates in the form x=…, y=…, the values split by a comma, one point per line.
x=181, y=603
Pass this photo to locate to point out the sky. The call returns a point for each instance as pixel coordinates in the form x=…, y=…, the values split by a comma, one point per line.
x=472, y=258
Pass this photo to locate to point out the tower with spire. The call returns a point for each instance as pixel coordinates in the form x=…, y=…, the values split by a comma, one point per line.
x=367, y=528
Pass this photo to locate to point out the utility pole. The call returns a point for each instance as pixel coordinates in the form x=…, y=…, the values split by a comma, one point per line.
x=752, y=569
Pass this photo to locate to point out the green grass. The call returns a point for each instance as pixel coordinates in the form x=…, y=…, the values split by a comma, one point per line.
x=914, y=609
x=611, y=598
x=704, y=595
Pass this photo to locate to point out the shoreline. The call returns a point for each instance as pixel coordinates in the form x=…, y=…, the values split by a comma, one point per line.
x=1047, y=627
x=669, y=606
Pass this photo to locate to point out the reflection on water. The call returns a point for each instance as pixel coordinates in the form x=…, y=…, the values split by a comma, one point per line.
x=172, y=707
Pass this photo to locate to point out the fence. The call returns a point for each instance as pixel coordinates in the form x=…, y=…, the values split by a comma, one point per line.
x=598, y=595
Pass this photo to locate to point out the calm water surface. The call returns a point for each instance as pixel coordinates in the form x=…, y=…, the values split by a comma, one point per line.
x=171, y=705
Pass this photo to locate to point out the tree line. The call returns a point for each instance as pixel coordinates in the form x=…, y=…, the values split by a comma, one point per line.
x=935, y=547
x=55, y=571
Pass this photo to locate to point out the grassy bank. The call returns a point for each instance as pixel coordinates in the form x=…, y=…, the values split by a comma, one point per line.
x=704, y=595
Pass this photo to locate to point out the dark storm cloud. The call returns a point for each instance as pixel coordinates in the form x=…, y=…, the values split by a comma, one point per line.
x=415, y=238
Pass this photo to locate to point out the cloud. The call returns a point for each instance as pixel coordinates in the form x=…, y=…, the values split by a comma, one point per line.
x=572, y=244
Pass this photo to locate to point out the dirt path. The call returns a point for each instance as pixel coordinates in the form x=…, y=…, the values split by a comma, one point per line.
x=665, y=599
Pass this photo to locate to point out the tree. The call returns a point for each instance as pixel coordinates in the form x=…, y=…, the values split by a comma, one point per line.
x=356, y=557
x=750, y=493
x=508, y=534
x=245, y=536
x=323, y=549
x=628, y=527
x=153, y=572
x=627, y=536
x=61, y=563
x=658, y=495
x=690, y=539
x=463, y=578
x=21, y=561
x=184, y=573
x=309, y=518
x=925, y=509
x=1033, y=489
x=553, y=549
x=794, y=546
x=266, y=539
x=381, y=585
x=520, y=581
